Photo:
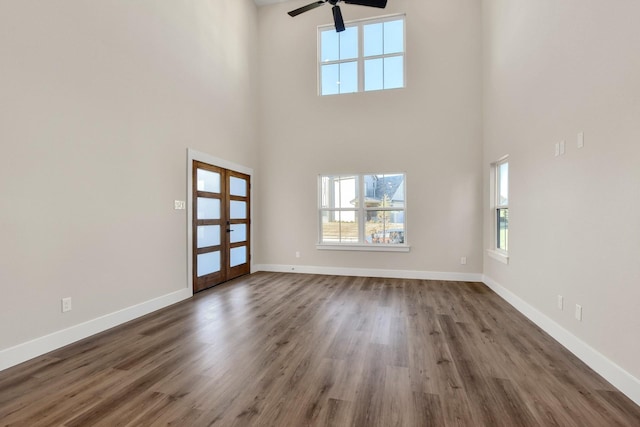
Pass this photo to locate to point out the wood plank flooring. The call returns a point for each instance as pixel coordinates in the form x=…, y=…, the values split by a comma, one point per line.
x=275, y=349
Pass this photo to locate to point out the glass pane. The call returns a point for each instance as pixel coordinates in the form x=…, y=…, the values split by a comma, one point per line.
x=208, y=235
x=339, y=191
x=237, y=186
x=237, y=210
x=238, y=256
x=349, y=43
x=393, y=72
x=348, y=82
x=503, y=184
x=373, y=75
x=339, y=227
x=208, y=181
x=373, y=39
x=208, y=263
x=345, y=191
x=330, y=79
x=208, y=208
x=329, y=44
x=384, y=191
x=238, y=233
x=330, y=231
x=384, y=227
x=503, y=229
x=325, y=191
x=393, y=37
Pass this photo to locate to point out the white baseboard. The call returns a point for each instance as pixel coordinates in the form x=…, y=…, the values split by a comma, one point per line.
x=22, y=352
x=621, y=379
x=370, y=272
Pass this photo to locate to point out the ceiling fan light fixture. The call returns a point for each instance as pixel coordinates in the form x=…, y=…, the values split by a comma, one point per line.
x=337, y=14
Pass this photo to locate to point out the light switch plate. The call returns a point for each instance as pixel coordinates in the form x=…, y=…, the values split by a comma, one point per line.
x=580, y=140
x=179, y=204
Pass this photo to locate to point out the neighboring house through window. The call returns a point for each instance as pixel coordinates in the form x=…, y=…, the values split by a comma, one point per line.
x=368, y=55
x=362, y=210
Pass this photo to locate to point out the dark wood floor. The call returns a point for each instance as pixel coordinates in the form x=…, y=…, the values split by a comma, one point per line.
x=295, y=350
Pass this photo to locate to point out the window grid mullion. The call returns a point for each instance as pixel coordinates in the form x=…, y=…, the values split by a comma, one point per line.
x=337, y=61
x=360, y=58
x=384, y=55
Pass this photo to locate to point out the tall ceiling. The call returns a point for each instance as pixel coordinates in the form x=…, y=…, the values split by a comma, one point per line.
x=265, y=2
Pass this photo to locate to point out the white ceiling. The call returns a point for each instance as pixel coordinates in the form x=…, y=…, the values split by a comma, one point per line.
x=265, y=2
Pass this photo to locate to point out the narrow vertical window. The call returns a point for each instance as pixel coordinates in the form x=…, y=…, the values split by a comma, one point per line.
x=502, y=205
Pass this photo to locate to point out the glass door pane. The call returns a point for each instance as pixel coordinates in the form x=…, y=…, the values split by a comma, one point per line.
x=208, y=181
x=238, y=256
x=208, y=235
x=208, y=208
x=238, y=233
x=237, y=186
x=208, y=263
x=238, y=210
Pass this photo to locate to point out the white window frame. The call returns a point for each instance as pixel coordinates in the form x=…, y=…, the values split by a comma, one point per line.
x=361, y=214
x=360, y=23
x=494, y=251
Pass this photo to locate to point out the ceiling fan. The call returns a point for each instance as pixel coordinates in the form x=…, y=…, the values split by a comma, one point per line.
x=337, y=15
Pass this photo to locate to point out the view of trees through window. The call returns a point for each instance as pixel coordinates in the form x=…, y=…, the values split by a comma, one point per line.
x=362, y=209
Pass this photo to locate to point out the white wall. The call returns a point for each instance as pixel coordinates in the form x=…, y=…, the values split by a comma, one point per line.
x=553, y=69
x=431, y=130
x=98, y=104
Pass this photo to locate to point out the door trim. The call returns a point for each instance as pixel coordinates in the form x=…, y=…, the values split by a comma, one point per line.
x=221, y=163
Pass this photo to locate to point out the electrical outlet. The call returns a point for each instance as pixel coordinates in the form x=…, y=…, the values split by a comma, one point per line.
x=297, y=254
x=463, y=260
x=66, y=304
x=179, y=204
x=579, y=312
x=560, y=302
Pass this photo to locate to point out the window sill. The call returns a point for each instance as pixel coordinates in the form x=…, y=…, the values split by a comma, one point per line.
x=364, y=248
x=498, y=256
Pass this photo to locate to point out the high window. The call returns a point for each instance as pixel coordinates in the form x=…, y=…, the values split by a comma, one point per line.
x=366, y=210
x=368, y=55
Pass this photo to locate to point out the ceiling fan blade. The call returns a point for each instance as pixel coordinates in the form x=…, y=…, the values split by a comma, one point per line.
x=372, y=3
x=306, y=8
x=337, y=18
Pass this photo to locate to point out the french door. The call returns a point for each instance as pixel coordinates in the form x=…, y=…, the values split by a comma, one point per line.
x=221, y=225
